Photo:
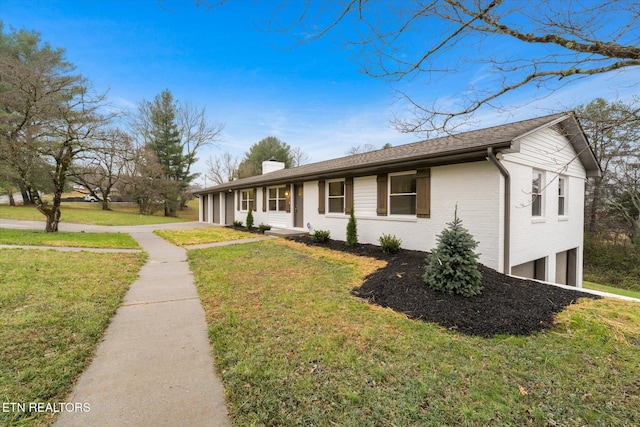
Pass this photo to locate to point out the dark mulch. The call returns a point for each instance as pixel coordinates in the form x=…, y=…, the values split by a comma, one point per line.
x=507, y=305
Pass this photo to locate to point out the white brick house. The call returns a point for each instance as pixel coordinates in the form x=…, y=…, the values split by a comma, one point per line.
x=519, y=189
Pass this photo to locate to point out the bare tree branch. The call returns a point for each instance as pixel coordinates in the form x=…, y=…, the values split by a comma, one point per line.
x=223, y=168
x=546, y=44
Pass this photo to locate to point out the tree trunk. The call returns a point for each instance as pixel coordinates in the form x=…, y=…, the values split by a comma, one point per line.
x=26, y=198
x=53, y=218
x=105, y=204
x=52, y=213
x=12, y=200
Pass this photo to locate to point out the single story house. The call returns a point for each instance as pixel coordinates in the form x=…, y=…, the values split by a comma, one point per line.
x=518, y=187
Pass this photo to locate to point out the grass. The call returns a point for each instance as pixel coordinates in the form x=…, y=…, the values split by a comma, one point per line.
x=610, y=289
x=293, y=347
x=53, y=311
x=616, y=265
x=197, y=236
x=91, y=213
x=69, y=239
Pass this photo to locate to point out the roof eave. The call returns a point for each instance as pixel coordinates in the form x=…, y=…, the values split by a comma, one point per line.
x=453, y=157
x=582, y=147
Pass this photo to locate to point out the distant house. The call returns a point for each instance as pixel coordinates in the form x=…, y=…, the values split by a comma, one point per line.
x=519, y=189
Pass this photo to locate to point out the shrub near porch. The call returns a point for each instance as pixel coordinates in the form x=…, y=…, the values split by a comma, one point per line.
x=293, y=347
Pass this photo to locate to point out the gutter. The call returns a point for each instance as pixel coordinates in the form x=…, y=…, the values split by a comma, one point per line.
x=507, y=207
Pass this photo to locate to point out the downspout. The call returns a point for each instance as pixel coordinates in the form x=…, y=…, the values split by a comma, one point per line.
x=507, y=207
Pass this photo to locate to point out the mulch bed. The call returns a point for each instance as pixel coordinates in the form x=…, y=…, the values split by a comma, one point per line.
x=507, y=305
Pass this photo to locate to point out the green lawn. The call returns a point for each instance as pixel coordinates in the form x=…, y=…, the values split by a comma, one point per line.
x=293, y=347
x=91, y=213
x=54, y=308
x=69, y=239
x=610, y=289
x=197, y=236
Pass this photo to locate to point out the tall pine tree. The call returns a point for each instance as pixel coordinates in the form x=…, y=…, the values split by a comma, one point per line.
x=164, y=139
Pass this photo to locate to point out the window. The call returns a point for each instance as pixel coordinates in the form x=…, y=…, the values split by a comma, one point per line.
x=562, y=196
x=278, y=199
x=536, y=194
x=247, y=201
x=402, y=194
x=336, y=196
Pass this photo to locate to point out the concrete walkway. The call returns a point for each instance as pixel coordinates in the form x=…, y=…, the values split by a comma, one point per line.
x=153, y=367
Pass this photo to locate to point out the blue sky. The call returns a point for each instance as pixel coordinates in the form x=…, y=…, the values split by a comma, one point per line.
x=311, y=95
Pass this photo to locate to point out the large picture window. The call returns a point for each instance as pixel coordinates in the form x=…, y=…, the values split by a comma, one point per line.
x=278, y=199
x=246, y=200
x=402, y=194
x=336, y=196
x=536, y=193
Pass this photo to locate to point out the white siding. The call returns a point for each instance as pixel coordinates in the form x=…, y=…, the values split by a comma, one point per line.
x=364, y=196
x=550, y=151
x=545, y=236
x=474, y=187
x=478, y=190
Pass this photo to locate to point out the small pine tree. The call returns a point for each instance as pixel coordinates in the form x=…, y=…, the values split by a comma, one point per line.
x=352, y=230
x=249, y=219
x=453, y=267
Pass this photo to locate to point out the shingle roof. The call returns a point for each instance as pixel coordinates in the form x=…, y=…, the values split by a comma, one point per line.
x=465, y=146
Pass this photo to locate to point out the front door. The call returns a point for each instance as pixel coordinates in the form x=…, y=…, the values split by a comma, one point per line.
x=298, y=215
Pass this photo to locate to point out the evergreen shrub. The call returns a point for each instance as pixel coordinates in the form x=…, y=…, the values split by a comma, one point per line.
x=320, y=236
x=264, y=227
x=389, y=243
x=453, y=266
x=352, y=230
x=250, y=219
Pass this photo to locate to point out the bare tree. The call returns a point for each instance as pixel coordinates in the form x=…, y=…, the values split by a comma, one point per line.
x=145, y=181
x=69, y=136
x=298, y=157
x=223, y=168
x=48, y=116
x=506, y=44
x=624, y=202
x=358, y=149
x=196, y=131
x=102, y=167
x=613, y=129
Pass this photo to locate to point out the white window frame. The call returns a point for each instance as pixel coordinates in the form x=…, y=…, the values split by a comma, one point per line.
x=247, y=200
x=281, y=197
x=537, y=199
x=392, y=195
x=330, y=197
x=563, y=186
